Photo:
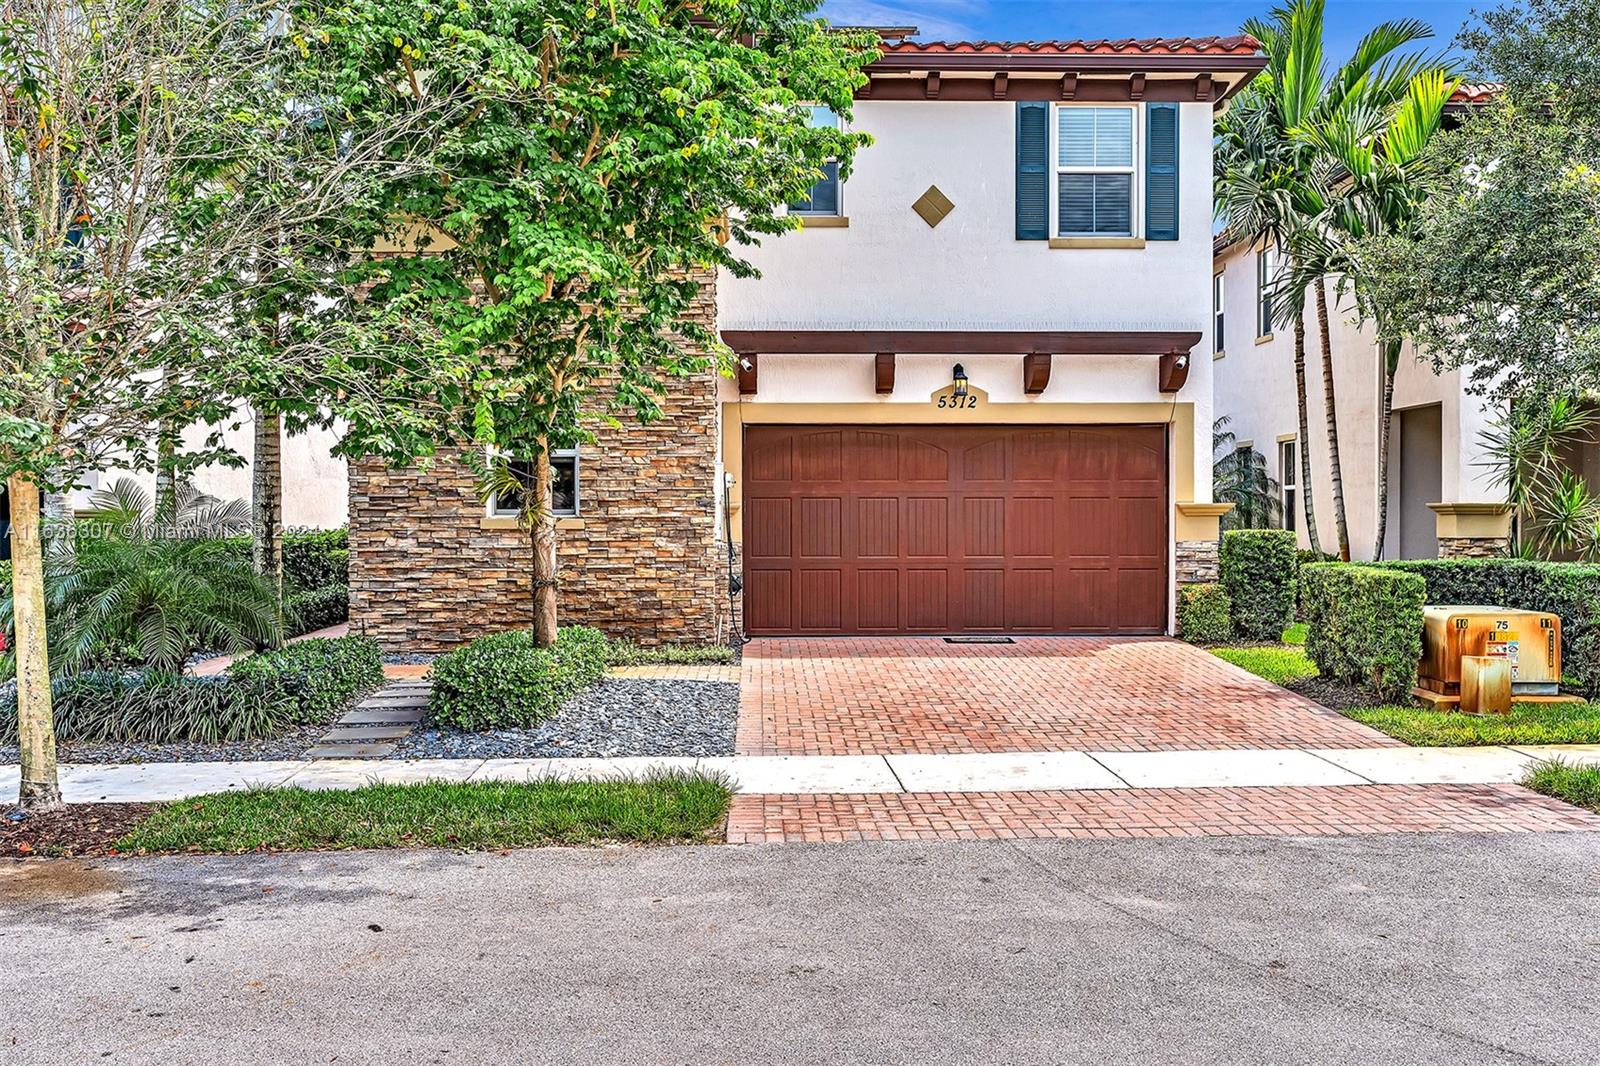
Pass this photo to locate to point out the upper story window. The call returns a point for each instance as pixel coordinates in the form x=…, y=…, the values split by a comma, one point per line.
x=1218, y=317
x=824, y=198
x=1096, y=171
x=1266, y=269
x=563, y=486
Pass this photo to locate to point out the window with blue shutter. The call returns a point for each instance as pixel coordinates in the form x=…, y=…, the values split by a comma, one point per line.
x=1161, y=172
x=1033, y=166
x=1094, y=171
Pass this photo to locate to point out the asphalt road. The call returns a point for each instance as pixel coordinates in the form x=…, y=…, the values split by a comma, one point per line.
x=1397, y=949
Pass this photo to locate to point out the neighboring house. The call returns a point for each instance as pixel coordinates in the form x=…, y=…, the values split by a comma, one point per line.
x=1442, y=496
x=973, y=396
x=315, y=481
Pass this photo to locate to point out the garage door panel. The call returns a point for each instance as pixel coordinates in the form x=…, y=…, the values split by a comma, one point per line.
x=878, y=600
x=927, y=600
x=878, y=527
x=1031, y=527
x=820, y=532
x=921, y=460
x=930, y=529
x=819, y=601
x=769, y=601
x=984, y=523
x=984, y=602
x=768, y=523
x=1030, y=600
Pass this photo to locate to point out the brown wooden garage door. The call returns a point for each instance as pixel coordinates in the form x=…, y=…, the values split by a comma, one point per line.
x=949, y=529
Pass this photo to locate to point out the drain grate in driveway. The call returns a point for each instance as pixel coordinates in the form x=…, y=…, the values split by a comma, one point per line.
x=979, y=640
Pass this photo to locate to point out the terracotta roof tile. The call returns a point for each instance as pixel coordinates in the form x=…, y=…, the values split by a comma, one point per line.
x=1241, y=44
x=1481, y=93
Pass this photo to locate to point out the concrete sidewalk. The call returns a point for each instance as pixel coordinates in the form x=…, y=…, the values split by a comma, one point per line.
x=853, y=774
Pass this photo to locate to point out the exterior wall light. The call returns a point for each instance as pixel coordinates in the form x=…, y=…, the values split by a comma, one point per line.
x=959, y=373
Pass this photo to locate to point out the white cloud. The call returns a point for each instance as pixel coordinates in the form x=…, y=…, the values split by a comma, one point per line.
x=935, y=20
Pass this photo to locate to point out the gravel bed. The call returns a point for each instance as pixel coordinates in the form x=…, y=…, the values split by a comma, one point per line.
x=290, y=745
x=409, y=658
x=619, y=716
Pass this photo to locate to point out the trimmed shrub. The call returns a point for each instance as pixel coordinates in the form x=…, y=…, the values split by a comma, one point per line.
x=1365, y=625
x=305, y=612
x=102, y=706
x=320, y=676
x=1570, y=590
x=1204, y=614
x=316, y=560
x=507, y=681
x=1259, y=574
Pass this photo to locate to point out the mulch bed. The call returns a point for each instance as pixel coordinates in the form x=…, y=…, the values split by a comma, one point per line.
x=1335, y=695
x=75, y=830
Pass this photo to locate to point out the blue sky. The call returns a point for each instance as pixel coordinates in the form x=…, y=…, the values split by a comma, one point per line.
x=1022, y=20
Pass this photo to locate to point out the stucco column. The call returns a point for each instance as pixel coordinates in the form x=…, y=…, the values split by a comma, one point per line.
x=1196, y=534
x=1473, y=519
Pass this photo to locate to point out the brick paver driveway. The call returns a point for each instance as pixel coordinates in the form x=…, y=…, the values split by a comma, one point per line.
x=869, y=696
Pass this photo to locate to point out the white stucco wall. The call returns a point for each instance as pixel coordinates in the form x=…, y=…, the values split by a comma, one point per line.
x=1254, y=385
x=889, y=270
x=315, y=482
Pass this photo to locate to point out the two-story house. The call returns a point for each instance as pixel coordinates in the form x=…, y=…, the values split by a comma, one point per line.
x=973, y=392
x=1443, y=496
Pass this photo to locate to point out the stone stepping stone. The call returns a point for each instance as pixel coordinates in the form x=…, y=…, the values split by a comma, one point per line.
x=351, y=751
x=384, y=716
x=359, y=734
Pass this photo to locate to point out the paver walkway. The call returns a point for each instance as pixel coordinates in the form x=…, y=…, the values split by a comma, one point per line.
x=849, y=696
x=210, y=667
x=1324, y=811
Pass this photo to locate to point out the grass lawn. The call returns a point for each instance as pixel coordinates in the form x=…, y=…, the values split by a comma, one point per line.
x=1577, y=785
x=1528, y=723
x=660, y=809
x=1279, y=664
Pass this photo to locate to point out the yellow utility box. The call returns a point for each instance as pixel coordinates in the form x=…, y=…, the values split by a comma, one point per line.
x=1529, y=640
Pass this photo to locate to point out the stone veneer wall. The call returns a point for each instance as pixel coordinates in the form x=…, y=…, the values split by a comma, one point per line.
x=1473, y=547
x=643, y=559
x=1197, y=562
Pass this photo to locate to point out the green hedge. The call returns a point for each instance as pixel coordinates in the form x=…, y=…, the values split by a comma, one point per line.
x=506, y=681
x=305, y=612
x=1365, y=625
x=311, y=560
x=1259, y=573
x=1570, y=590
x=101, y=707
x=1204, y=614
x=321, y=675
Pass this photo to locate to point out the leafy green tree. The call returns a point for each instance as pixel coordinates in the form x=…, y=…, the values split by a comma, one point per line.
x=612, y=154
x=123, y=230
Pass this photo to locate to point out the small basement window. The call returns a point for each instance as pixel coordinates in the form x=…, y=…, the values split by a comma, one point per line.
x=564, y=486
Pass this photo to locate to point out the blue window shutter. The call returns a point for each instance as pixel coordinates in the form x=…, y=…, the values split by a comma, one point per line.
x=1161, y=172
x=1033, y=165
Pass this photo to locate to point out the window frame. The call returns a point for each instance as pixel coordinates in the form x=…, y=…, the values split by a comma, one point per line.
x=838, y=182
x=1219, y=313
x=492, y=508
x=1135, y=171
x=1289, y=481
x=1266, y=267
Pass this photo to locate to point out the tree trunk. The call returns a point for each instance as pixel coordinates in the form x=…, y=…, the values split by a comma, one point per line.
x=1330, y=407
x=35, y=721
x=266, y=502
x=544, y=552
x=1307, y=496
x=166, y=495
x=1389, y=352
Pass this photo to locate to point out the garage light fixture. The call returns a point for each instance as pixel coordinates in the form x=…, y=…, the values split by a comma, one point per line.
x=959, y=373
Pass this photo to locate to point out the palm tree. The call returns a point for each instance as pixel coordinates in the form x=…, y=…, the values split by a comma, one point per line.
x=150, y=589
x=1281, y=186
x=1239, y=476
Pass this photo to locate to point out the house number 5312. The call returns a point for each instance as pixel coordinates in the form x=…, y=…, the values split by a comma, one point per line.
x=968, y=402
